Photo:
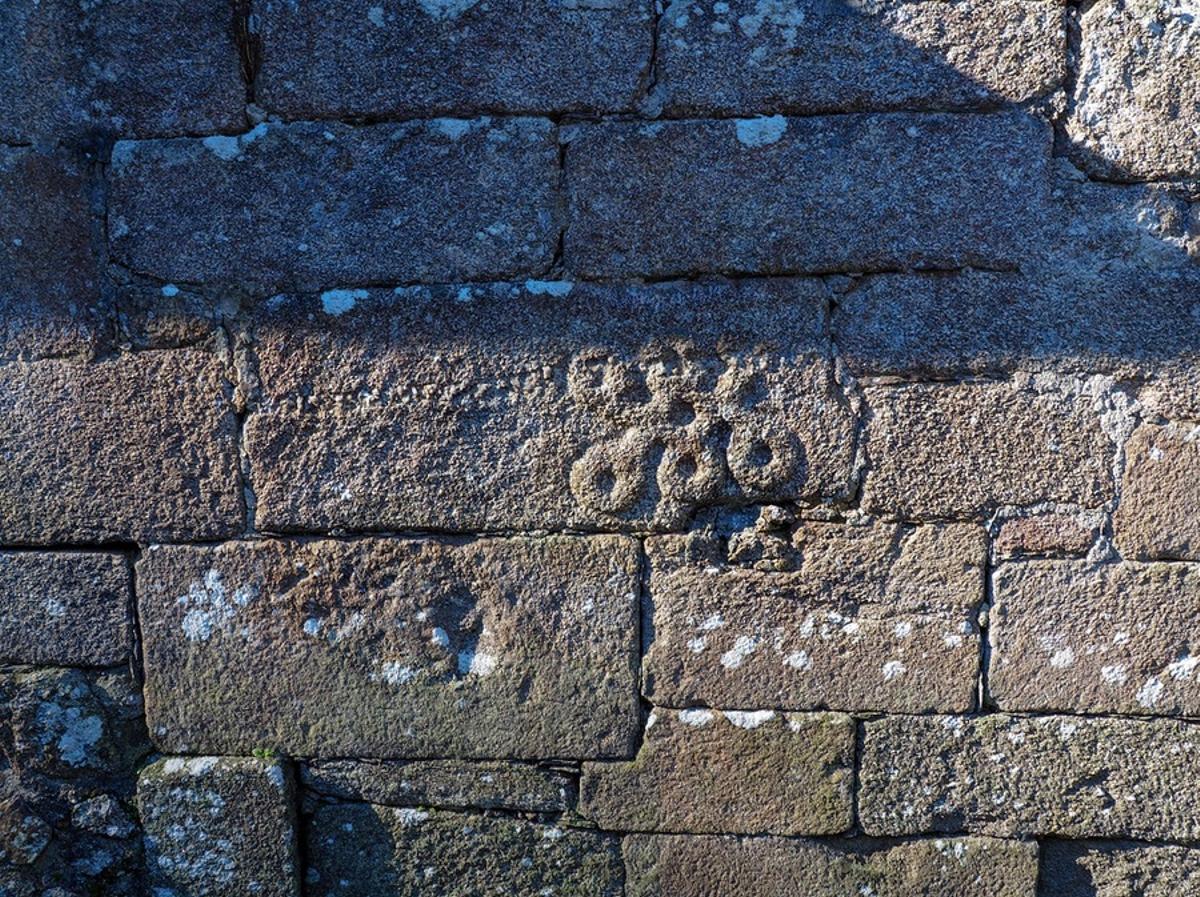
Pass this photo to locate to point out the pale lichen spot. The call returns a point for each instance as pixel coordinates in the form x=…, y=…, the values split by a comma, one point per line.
x=749, y=719
x=698, y=717
x=761, y=131
x=338, y=302
x=743, y=647
x=892, y=669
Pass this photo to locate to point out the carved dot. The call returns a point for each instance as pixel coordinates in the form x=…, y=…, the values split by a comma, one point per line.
x=605, y=481
x=760, y=454
x=681, y=413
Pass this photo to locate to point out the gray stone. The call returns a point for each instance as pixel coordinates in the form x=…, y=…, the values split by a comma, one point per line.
x=420, y=57
x=359, y=850
x=776, y=195
x=804, y=56
x=219, y=826
x=544, y=406
x=1064, y=776
x=1118, y=869
x=312, y=206
x=1159, y=513
x=142, y=446
x=498, y=648
x=755, y=772
x=856, y=617
x=169, y=316
x=67, y=609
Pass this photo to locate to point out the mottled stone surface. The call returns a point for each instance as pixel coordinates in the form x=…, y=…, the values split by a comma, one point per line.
x=417, y=57
x=852, y=617
x=1054, y=534
x=943, y=450
x=64, y=608
x=1159, y=513
x=1118, y=869
x=325, y=205
x=359, y=850
x=138, y=447
x=521, y=648
x=1065, y=776
x=803, y=56
x=171, y=316
x=774, y=196
x=681, y=866
x=757, y=772
x=219, y=826
x=544, y=405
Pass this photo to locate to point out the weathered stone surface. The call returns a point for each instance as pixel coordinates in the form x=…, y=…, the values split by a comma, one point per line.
x=138, y=67
x=544, y=406
x=1135, y=112
x=1054, y=533
x=139, y=447
x=1117, y=869
x=683, y=866
x=67, y=609
x=448, y=784
x=219, y=826
x=1159, y=513
x=757, y=772
x=359, y=850
x=311, y=206
x=850, y=617
x=804, y=56
x=942, y=450
x=422, y=57
x=521, y=648
x=1113, y=638
x=1067, y=776
x=1173, y=390
x=170, y=316
x=773, y=196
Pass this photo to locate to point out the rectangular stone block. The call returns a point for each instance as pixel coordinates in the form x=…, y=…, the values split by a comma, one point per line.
x=311, y=205
x=1115, y=869
x=1159, y=513
x=84, y=71
x=755, y=772
x=139, y=447
x=960, y=449
x=421, y=57
x=547, y=405
x=1049, y=534
x=497, y=648
x=850, y=617
x=220, y=826
x=805, y=56
x=359, y=850
x=686, y=866
x=779, y=195
x=1073, y=636
x=64, y=609
x=1062, y=776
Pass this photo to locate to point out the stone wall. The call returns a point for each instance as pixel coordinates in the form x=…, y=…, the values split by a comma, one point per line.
x=576, y=447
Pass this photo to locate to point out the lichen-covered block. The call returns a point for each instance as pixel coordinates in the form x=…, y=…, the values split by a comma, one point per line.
x=1072, y=636
x=959, y=449
x=449, y=784
x=1064, y=776
x=1159, y=513
x=84, y=71
x=421, y=57
x=1135, y=112
x=1118, y=869
x=219, y=826
x=312, y=206
x=755, y=772
x=690, y=866
x=783, y=195
x=360, y=850
x=142, y=446
x=804, y=56
x=817, y=615
x=412, y=648
x=544, y=405
x=69, y=609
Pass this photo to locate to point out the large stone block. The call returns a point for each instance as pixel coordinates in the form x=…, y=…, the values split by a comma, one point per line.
x=1118, y=869
x=142, y=446
x=1159, y=513
x=755, y=772
x=544, y=406
x=421, y=57
x=683, y=866
x=322, y=205
x=849, y=617
x=1065, y=776
x=65, y=609
x=498, y=648
x=804, y=56
x=778, y=195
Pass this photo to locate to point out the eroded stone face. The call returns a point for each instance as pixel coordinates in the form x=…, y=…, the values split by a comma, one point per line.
x=498, y=648
x=1159, y=513
x=875, y=617
x=1116, y=869
x=1055, y=534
